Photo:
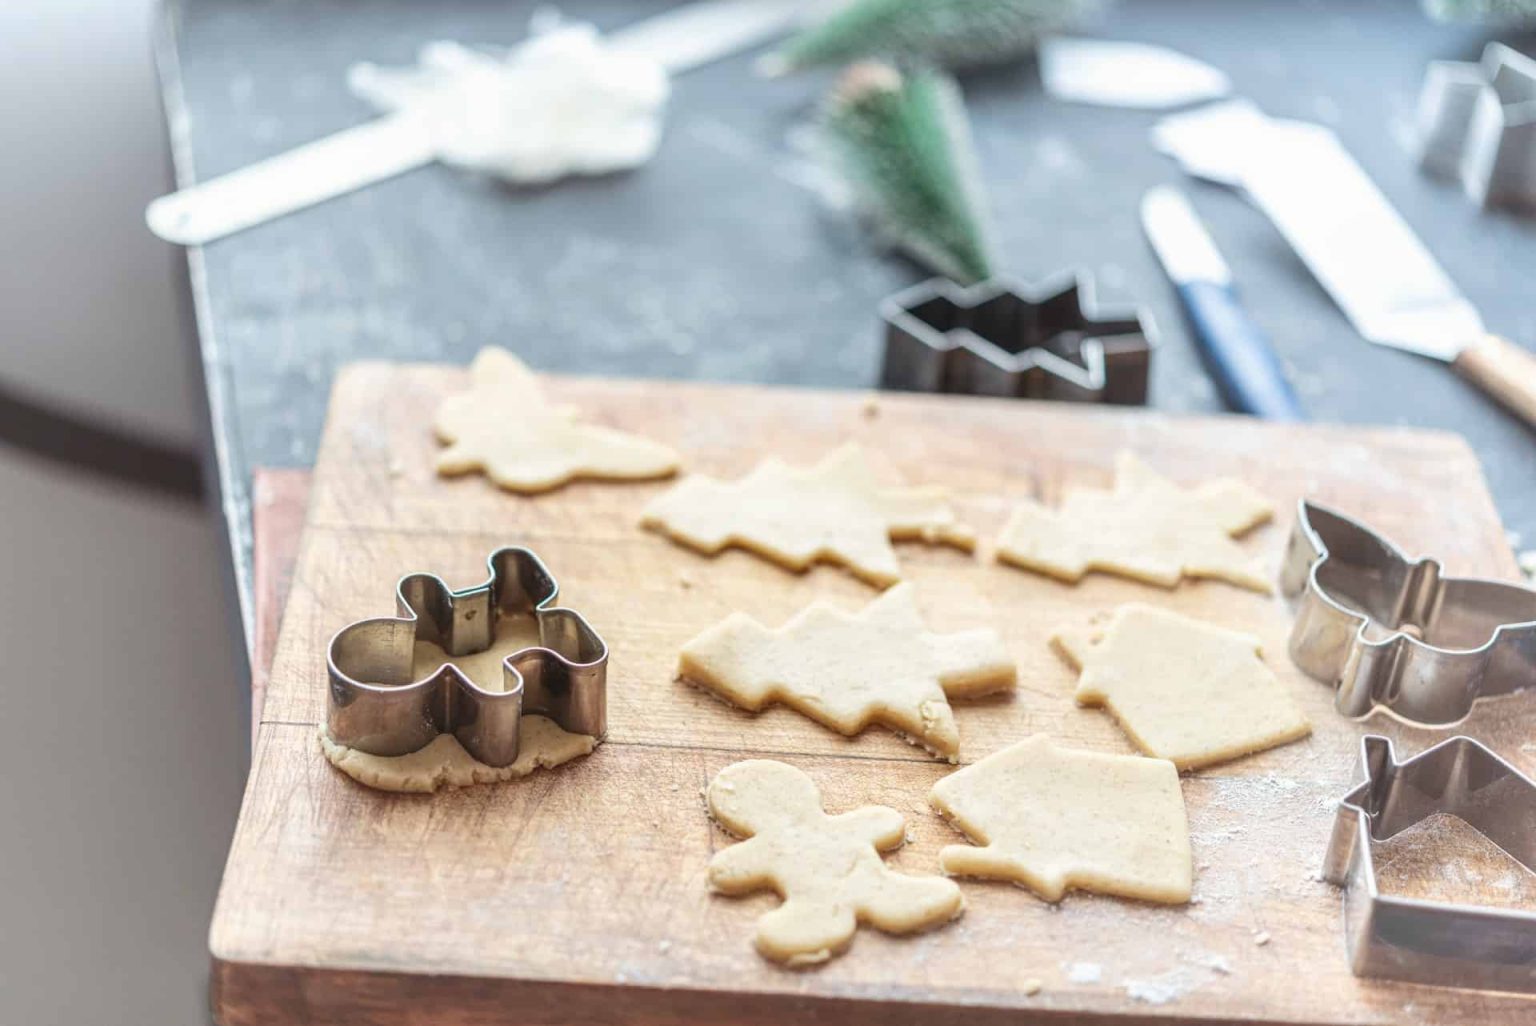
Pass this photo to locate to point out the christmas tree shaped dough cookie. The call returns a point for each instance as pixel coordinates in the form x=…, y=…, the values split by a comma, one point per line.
x=1057, y=818
x=1146, y=528
x=848, y=670
x=504, y=426
x=827, y=868
x=838, y=511
x=1183, y=690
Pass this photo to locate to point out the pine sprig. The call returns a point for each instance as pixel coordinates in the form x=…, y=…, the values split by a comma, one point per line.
x=1498, y=11
x=946, y=33
x=903, y=143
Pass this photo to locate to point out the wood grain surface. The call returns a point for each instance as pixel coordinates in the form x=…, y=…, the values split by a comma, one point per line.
x=577, y=896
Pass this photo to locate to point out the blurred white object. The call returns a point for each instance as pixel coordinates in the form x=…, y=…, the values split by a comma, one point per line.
x=1116, y=74
x=1477, y=122
x=677, y=40
x=1211, y=143
x=562, y=103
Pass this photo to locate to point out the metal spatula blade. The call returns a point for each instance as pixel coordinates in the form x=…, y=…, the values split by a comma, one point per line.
x=1387, y=283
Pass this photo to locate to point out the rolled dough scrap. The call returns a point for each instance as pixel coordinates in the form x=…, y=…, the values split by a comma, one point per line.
x=1182, y=689
x=1147, y=528
x=1057, y=818
x=826, y=868
x=848, y=670
x=504, y=427
x=838, y=511
x=445, y=763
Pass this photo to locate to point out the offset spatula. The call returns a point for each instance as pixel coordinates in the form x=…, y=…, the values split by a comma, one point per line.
x=680, y=39
x=1372, y=264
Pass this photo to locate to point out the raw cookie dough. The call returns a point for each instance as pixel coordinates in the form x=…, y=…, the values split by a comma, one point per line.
x=445, y=763
x=504, y=427
x=826, y=868
x=1056, y=818
x=839, y=511
x=1182, y=689
x=1147, y=528
x=880, y=665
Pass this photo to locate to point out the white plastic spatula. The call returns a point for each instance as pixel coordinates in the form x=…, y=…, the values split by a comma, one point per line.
x=680, y=39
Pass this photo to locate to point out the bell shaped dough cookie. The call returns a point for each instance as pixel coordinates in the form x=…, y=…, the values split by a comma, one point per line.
x=1182, y=689
x=827, y=868
x=838, y=511
x=848, y=670
x=1054, y=818
x=504, y=427
x=1146, y=528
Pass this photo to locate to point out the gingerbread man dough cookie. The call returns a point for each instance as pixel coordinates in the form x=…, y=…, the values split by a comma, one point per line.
x=839, y=511
x=827, y=868
x=1147, y=528
x=1055, y=818
x=880, y=665
x=444, y=762
x=1182, y=689
x=504, y=426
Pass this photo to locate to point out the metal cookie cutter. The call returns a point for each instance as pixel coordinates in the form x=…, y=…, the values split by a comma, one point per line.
x=1392, y=633
x=376, y=706
x=1046, y=341
x=1431, y=941
x=1477, y=122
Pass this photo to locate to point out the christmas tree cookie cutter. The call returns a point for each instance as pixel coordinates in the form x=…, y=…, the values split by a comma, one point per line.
x=1422, y=941
x=1049, y=340
x=1393, y=633
x=1477, y=123
x=377, y=706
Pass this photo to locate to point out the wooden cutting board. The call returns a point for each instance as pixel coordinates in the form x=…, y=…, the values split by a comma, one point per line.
x=577, y=896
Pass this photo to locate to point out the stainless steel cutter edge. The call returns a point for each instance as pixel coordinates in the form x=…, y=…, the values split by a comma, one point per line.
x=1396, y=672
x=1470, y=128
x=1431, y=941
x=919, y=357
x=374, y=705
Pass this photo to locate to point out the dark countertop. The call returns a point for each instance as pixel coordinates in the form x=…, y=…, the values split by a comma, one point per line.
x=721, y=260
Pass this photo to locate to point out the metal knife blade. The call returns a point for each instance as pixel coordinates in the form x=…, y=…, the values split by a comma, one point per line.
x=1371, y=263
x=683, y=38
x=1181, y=242
x=1235, y=349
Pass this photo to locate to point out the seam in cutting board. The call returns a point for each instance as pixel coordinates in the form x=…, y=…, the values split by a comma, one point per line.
x=849, y=756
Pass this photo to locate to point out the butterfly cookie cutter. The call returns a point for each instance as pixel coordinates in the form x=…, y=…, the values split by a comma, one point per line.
x=1393, y=633
x=1000, y=338
x=378, y=706
x=1422, y=941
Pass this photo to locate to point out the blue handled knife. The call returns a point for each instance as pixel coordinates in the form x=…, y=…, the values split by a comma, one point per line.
x=1246, y=371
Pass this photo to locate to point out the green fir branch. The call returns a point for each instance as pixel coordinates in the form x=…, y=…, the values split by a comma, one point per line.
x=903, y=144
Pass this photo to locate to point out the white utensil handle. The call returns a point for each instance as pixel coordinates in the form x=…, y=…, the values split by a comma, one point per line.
x=291, y=181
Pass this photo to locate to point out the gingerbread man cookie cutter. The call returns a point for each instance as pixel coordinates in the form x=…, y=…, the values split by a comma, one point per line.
x=1393, y=633
x=1422, y=941
x=377, y=706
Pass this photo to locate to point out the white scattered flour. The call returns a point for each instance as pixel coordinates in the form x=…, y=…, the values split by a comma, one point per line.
x=561, y=103
x=1085, y=972
x=1159, y=990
